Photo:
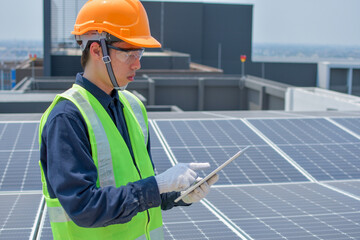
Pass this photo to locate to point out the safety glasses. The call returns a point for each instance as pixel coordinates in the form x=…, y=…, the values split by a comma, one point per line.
x=128, y=56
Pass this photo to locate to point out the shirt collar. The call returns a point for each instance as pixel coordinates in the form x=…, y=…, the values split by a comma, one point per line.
x=104, y=98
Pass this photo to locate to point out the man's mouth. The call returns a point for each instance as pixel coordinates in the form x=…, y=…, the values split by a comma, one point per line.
x=131, y=78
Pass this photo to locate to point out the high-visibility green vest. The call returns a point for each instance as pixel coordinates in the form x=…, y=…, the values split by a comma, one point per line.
x=114, y=164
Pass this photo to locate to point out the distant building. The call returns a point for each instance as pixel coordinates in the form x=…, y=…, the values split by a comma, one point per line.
x=212, y=33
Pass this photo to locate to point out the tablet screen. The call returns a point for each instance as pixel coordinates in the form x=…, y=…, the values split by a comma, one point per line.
x=197, y=184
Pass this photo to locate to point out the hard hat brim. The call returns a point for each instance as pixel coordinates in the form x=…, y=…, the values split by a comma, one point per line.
x=146, y=42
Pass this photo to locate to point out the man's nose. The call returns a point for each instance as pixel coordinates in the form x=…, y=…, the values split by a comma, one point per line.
x=136, y=65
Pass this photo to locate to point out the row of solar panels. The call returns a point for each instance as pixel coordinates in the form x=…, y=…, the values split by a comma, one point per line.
x=289, y=156
x=277, y=211
x=282, y=150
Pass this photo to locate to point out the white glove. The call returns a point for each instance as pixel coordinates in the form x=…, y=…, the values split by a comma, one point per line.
x=201, y=191
x=179, y=177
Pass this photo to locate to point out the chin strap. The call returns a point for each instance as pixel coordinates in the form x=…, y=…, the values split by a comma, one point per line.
x=107, y=61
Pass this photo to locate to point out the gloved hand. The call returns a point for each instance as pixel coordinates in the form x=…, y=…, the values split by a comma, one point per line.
x=201, y=191
x=179, y=177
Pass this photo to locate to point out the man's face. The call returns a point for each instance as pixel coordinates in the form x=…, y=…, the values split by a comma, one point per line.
x=125, y=63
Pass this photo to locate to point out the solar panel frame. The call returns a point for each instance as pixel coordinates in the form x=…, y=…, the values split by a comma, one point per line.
x=304, y=114
x=44, y=232
x=250, y=114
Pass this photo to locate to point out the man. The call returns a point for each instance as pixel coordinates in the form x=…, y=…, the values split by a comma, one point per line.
x=97, y=172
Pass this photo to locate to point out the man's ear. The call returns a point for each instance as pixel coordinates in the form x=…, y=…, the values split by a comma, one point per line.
x=95, y=51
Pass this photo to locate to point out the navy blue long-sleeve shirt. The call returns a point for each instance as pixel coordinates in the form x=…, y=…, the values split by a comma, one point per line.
x=71, y=174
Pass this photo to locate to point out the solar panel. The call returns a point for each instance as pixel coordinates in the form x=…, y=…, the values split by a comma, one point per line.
x=286, y=207
x=318, y=146
x=194, y=222
x=19, y=156
x=215, y=141
x=158, y=154
x=352, y=186
x=17, y=215
x=352, y=124
x=289, y=211
x=19, y=136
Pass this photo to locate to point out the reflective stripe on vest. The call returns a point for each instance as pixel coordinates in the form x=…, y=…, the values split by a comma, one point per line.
x=157, y=234
x=57, y=214
x=138, y=113
x=143, y=237
x=105, y=167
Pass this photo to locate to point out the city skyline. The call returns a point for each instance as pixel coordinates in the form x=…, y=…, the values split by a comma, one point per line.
x=298, y=22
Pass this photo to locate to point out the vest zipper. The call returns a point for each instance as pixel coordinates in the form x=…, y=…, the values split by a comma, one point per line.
x=147, y=211
x=147, y=233
x=148, y=222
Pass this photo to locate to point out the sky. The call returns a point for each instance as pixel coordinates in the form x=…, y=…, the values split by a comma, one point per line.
x=21, y=19
x=323, y=22
x=335, y=22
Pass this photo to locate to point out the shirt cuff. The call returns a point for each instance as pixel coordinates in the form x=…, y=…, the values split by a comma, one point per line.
x=148, y=194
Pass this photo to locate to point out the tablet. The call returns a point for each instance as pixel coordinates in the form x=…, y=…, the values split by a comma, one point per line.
x=197, y=184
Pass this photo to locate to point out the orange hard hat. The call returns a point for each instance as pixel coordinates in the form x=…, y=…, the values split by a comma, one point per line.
x=125, y=19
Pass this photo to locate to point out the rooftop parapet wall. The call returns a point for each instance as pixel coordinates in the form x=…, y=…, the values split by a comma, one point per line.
x=189, y=93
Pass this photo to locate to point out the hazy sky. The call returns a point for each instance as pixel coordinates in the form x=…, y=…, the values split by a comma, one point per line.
x=21, y=19
x=274, y=21
x=307, y=21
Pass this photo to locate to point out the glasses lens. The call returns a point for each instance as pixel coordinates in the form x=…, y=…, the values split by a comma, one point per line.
x=129, y=57
x=122, y=56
